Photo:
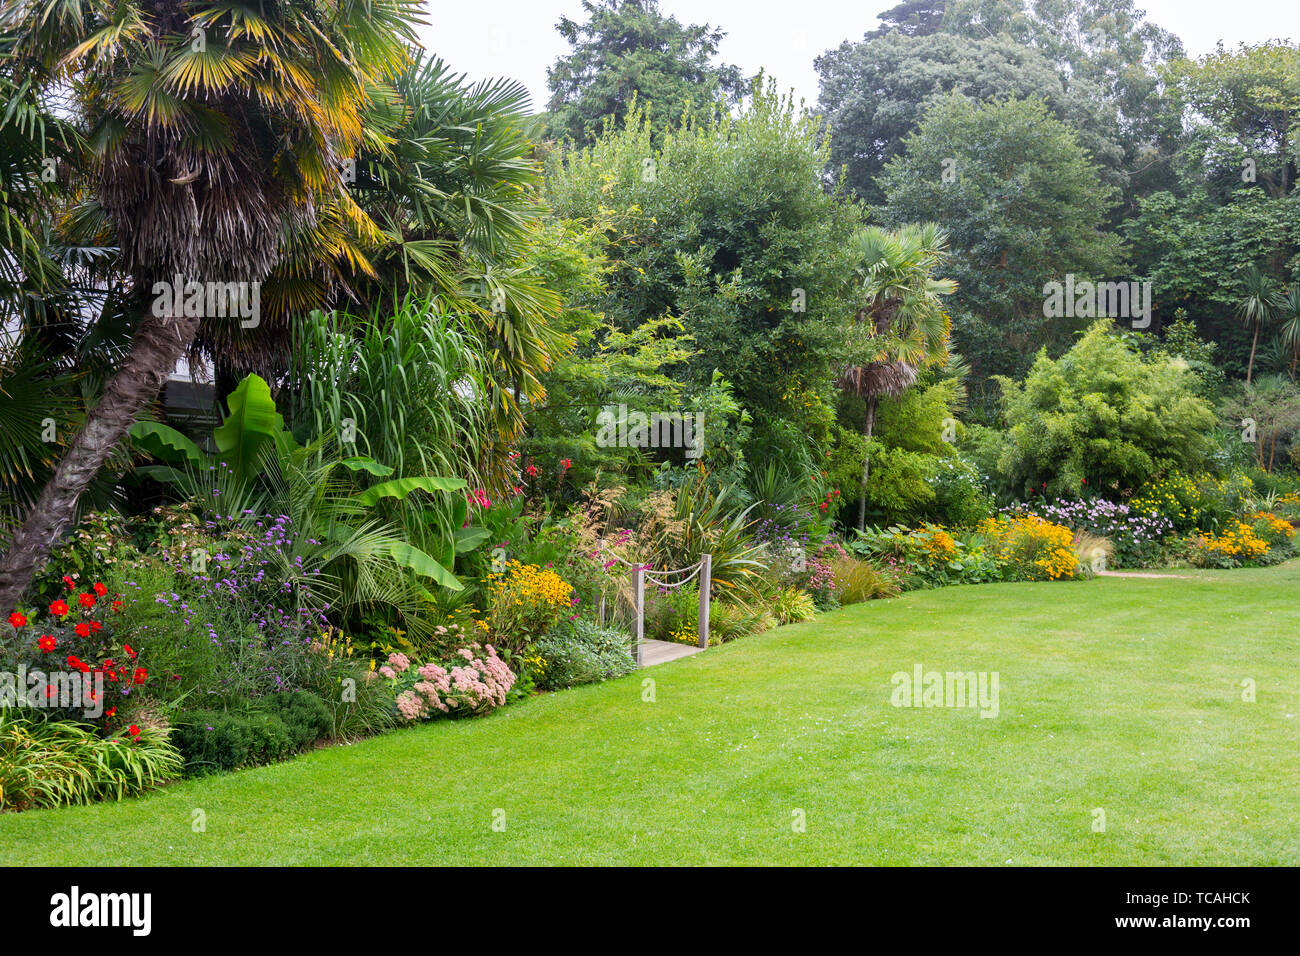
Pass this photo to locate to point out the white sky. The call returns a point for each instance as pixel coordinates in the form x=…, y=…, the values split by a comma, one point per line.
x=517, y=38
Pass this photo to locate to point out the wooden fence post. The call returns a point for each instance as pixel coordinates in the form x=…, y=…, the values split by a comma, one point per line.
x=706, y=582
x=638, y=598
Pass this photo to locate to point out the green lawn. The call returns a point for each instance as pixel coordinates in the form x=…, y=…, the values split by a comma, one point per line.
x=1120, y=694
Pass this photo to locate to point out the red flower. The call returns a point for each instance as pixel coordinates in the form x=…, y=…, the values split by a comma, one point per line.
x=77, y=664
x=566, y=464
x=140, y=675
x=17, y=620
x=69, y=582
x=47, y=643
x=59, y=608
x=96, y=626
x=133, y=730
x=116, y=605
x=110, y=712
x=129, y=653
x=99, y=588
x=1085, y=481
x=532, y=471
x=82, y=629
x=86, y=600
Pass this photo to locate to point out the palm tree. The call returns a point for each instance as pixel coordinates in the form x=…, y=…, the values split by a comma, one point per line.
x=905, y=324
x=1289, y=313
x=215, y=132
x=456, y=198
x=1256, y=307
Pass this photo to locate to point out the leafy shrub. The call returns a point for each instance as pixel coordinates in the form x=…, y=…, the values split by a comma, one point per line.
x=49, y=763
x=857, y=581
x=1102, y=414
x=930, y=556
x=305, y=716
x=582, y=652
x=474, y=681
x=1031, y=547
x=214, y=740
x=793, y=606
x=960, y=498
x=730, y=619
x=1137, y=537
x=524, y=601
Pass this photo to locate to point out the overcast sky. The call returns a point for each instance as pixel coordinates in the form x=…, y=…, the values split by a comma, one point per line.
x=517, y=38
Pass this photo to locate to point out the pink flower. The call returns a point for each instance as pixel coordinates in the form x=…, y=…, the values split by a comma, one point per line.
x=409, y=705
x=388, y=672
x=399, y=661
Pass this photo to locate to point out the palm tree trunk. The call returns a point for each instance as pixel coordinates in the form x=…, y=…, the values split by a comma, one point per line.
x=1251, y=367
x=868, y=427
x=159, y=342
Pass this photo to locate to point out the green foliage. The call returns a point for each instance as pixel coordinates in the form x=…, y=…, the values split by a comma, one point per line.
x=305, y=716
x=727, y=227
x=213, y=741
x=1027, y=203
x=1265, y=416
x=793, y=606
x=670, y=610
x=1102, y=414
x=857, y=581
x=731, y=619
x=582, y=652
x=402, y=386
x=627, y=51
x=51, y=763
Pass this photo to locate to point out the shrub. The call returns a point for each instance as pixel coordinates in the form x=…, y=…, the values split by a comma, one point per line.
x=793, y=606
x=1201, y=503
x=1137, y=537
x=730, y=619
x=1234, y=544
x=1031, y=547
x=213, y=740
x=305, y=716
x=960, y=498
x=474, y=681
x=524, y=601
x=49, y=763
x=1103, y=414
x=1272, y=529
x=857, y=581
x=582, y=652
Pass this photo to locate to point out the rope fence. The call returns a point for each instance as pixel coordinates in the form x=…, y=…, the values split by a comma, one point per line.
x=702, y=568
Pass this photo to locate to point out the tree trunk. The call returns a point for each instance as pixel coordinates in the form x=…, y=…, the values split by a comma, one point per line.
x=1250, y=368
x=868, y=427
x=159, y=342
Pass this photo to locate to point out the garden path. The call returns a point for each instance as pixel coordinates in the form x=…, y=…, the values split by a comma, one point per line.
x=660, y=652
